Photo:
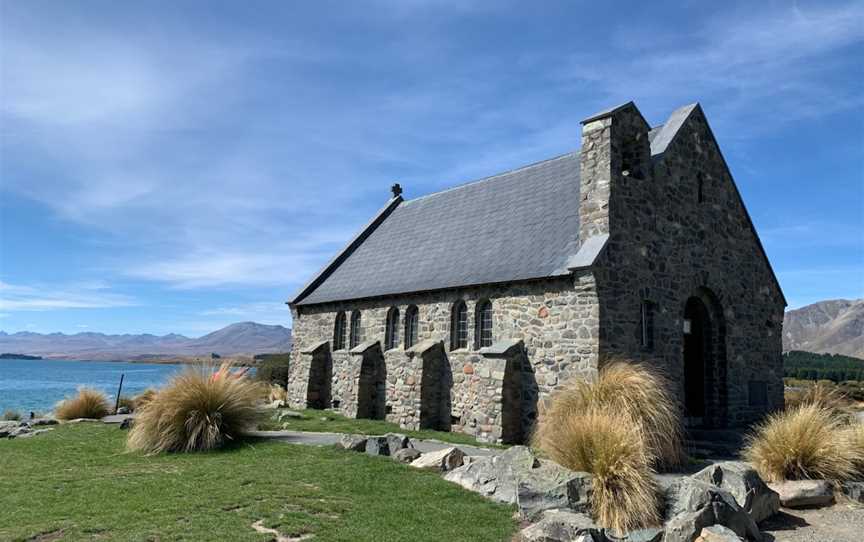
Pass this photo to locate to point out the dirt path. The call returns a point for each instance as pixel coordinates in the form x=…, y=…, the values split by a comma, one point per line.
x=839, y=523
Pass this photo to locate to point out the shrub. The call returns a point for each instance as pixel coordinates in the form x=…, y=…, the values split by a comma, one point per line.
x=804, y=442
x=198, y=410
x=277, y=393
x=822, y=394
x=126, y=401
x=607, y=445
x=639, y=393
x=89, y=403
x=143, y=398
x=12, y=416
x=273, y=369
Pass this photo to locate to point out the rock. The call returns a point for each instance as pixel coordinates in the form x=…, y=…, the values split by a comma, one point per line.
x=354, y=443
x=287, y=414
x=20, y=431
x=853, y=490
x=396, y=442
x=562, y=526
x=127, y=423
x=7, y=427
x=443, y=460
x=801, y=493
x=648, y=534
x=495, y=476
x=692, y=505
x=83, y=420
x=745, y=484
x=276, y=404
x=406, y=455
x=123, y=410
x=377, y=446
x=718, y=533
x=43, y=421
x=551, y=486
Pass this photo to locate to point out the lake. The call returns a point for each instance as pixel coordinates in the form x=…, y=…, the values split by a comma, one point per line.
x=37, y=385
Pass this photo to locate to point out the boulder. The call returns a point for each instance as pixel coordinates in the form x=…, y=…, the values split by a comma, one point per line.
x=7, y=427
x=43, y=421
x=745, y=484
x=406, y=455
x=551, y=486
x=397, y=441
x=692, y=505
x=377, y=446
x=128, y=423
x=443, y=460
x=853, y=491
x=496, y=476
x=804, y=493
x=562, y=526
x=34, y=432
x=285, y=414
x=83, y=420
x=354, y=443
x=648, y=534
x=718, y=533
x=20, y=431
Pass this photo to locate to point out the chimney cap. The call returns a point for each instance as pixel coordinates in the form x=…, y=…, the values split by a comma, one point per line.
x=396, y=189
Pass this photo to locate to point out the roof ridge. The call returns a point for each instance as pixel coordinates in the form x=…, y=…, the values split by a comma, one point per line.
x=491, y=177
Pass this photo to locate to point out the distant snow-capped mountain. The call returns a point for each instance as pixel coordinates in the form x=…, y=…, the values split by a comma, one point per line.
x=240, y=338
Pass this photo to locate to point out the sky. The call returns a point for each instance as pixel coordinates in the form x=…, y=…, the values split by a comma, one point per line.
x=179, y=166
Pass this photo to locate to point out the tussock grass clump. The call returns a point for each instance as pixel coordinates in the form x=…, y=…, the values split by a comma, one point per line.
x=143, y=398
x=89, y=403
x=805, y=442
x=607, y=445
x=618, y=427
x=277, y=393
x=198, y=410
x=854, y=436
x=639, y=393
x=12, y=416
x=821, y=394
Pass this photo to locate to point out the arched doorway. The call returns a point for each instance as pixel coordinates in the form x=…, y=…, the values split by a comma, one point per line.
x=371, y=386
x=320, y=377
x=704, y=362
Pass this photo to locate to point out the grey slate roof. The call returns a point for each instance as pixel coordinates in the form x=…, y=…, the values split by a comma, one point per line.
x=518, y=225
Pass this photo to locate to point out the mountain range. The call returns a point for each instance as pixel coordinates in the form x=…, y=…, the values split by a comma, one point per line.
x=827, y=327
x=239, y=338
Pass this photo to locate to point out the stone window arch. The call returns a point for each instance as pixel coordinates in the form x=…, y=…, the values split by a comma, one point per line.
x=459, y=326
x=483, y=319
x=391, y=331
x=356, y=335
x=339, y=332
x=412, y=323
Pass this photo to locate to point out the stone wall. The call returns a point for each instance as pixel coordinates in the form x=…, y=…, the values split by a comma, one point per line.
x=555, y=319
x=667, y=246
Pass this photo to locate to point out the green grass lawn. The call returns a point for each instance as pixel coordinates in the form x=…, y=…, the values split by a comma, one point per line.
x=79, y=481
x=325, y=421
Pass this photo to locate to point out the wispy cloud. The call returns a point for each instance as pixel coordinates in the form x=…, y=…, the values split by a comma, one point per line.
x=39, y=298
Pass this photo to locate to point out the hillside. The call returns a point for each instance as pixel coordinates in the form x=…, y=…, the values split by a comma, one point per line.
x=240, y=338
x=828, y=327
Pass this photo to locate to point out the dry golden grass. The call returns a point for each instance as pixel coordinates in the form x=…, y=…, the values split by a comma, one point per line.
x=143, y=398
x=854, y=436
x=617, y=427
x=89, y=403
x=607, y=445
x=277, y=393
x=821, y=394
x=198, y=410
x=636, y=391
x=11, y=416
x=804, y=442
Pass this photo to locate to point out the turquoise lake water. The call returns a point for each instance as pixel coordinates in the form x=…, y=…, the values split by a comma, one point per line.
x=37, y=385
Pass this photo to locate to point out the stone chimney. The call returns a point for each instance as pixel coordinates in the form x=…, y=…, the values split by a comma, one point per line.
x=615, y=153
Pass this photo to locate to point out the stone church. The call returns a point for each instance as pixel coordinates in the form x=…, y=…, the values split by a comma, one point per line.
x=463, y=309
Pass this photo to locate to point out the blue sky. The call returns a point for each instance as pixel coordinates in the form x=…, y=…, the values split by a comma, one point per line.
x=178, y=166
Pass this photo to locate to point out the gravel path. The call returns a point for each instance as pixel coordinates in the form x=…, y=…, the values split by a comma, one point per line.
x=329, y=439
x=839, y=523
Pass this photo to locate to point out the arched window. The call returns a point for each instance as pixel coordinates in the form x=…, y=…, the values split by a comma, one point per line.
x=484, y=324
x=459, y=326
x=356, y=332
x=391, y=332
x=339, y=332
x=411, y=324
